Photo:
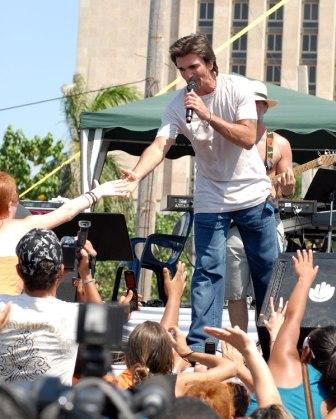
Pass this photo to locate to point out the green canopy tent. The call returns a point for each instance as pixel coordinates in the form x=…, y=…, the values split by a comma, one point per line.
x=308, y=122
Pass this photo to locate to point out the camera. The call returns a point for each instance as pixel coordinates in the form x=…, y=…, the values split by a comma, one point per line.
x=99, y=328
x=99, y=331
x=71, y=247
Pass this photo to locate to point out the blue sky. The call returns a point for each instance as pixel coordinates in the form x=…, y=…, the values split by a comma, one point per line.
x=38, y=41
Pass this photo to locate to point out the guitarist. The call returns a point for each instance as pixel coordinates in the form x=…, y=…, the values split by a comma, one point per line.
x=276, y=153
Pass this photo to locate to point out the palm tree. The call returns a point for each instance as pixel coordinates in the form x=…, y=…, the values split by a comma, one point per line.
x=78, y=100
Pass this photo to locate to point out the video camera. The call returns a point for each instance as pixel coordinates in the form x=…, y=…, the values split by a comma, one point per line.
x=91, y=398
x=99, y=326
x=71, y=248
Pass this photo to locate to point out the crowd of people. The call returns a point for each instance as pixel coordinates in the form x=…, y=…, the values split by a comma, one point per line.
x=235, y=222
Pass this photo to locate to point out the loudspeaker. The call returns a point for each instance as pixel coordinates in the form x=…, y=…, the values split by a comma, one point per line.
x=320, y=308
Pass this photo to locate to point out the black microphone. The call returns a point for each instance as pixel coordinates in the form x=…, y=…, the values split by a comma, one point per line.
x=189, y=112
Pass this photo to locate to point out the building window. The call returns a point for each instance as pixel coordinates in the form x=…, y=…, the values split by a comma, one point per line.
x=276, y=16
x=310, y=12
x=238, y=69
x=240, y=44
x=273, y=74
x=240, y=13
x=312, y=79
x=273, y=53
x=274, y=42
x=240, y=10
x=205, y=19
x=309, y=43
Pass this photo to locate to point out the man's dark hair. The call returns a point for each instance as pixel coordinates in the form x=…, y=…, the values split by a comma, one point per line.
x=44, y=277
x=241, y=398
x=188, y=407
x=197, y=44
x=273, y=411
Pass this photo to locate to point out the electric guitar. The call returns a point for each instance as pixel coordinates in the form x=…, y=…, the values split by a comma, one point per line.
x=326, y=160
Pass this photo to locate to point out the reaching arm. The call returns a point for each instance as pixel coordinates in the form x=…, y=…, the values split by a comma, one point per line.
x=74, y=206
x=90, y=292
x=284, y=359
x=276, y=320
x=242, y=133
x=265, y=389
x=174, y=290
x=150, y=158
x=219, y=368
x=243, y=373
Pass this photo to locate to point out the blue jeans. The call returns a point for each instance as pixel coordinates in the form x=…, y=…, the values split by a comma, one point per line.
x=257, y=228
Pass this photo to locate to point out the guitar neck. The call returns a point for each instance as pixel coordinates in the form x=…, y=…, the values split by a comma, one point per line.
x=298, y=169
x=306, y=166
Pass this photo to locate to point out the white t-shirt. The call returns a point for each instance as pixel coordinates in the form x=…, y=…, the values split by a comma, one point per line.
x=228, y=177
x=39, y=339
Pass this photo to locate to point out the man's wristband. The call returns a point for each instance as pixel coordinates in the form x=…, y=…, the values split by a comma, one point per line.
x=93, y=196
x=88, y=281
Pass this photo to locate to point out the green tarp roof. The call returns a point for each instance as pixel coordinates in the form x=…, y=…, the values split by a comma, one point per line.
x=296, y=112
x=308, y=122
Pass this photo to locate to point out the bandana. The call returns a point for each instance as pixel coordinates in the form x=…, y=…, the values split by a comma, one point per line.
x=38, y=245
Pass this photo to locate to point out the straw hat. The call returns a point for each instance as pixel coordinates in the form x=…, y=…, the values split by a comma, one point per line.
x=259, y=92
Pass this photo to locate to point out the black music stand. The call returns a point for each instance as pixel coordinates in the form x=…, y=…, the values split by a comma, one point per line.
x=323, y=189
x=108, y=234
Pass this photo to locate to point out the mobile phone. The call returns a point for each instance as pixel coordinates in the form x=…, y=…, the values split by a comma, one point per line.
x=131, y=285
x=210, y=347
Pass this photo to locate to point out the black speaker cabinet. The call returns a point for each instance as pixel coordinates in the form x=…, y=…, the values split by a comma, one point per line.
x=320, y=308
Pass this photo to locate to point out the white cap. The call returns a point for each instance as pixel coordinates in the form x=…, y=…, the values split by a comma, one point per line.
x=259, y=92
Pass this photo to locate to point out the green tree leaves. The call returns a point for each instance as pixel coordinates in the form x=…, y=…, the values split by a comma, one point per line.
x=29, y=160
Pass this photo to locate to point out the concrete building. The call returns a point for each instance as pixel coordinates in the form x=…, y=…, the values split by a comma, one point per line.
x=112, y=49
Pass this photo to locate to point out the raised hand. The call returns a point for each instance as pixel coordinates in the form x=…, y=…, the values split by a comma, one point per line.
x=131, y=179
x=117, y=187
x=195, y=102
x=178, y=341
x=303, y=266
x=234, y=336
x=176, y=285
x=85, y=253
x=276, y=319
x=286, y=181
x=231, y=353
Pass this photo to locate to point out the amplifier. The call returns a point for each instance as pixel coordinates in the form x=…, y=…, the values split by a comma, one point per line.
x=297, y=207
x=177, y=203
